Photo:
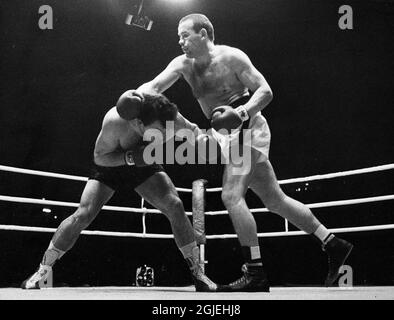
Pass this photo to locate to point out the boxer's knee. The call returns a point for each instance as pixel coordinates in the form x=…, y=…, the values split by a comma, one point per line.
x=274, y=201
x=231, y=198
x=84, y=215
x=174, y=209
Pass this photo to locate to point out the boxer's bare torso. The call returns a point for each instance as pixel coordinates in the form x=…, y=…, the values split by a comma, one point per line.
x=214, y=83
x=117, y=134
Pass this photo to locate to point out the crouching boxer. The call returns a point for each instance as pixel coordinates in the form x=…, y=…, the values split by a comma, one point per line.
x=119, y=163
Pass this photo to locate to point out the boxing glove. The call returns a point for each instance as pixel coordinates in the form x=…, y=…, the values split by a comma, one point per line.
x=225, y=117
x=129, y=104
x=135, y=157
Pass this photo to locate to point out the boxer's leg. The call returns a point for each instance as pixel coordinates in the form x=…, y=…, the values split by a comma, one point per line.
x=266, y=186
x=234, y=189
x=94, y=196
x=159, y=191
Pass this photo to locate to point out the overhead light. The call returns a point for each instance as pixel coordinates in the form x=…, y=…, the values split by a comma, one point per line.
x=139, y=19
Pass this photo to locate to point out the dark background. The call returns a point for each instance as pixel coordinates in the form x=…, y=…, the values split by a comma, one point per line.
x=332, y=111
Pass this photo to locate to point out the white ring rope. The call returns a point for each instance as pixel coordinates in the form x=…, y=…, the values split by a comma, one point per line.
x=320, y=204
x=209, y=237
x=90, y=232
x=58, y=175
x=73, y=204
x=301, y=233
x=328, y=175
x=223, y=236
x=212, y=213
x=42, y=173
x=287, y=181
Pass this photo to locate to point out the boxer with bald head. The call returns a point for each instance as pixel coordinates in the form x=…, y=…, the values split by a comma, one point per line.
x=232, y=92
x=118, y=163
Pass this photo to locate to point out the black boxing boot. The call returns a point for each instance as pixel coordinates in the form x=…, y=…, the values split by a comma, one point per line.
x=337, y=251
x=254, y=279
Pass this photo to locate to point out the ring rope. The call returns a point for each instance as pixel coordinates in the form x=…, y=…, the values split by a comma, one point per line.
x=223, y=236
x=211, y=237
x=320, y=204
x=300, y=233
x=89, y=232
x=327, y=176
x=72, y=204
x=43, y=173
x=58, y=175
x=221, y=212
x=287, y=181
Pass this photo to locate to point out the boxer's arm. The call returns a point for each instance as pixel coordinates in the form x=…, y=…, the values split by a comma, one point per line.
x=106, y=151
x=165, y=79
x=253, y=80
x=182, y=123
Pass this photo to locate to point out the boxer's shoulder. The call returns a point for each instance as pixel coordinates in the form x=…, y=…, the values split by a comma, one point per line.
x=113, y=121
x=112, y=116
x=230, y=54
x=181, y=63
x=228, y=51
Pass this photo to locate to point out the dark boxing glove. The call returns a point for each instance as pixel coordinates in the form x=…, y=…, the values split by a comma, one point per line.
x=129, y=104
x=225, y=117
x=135, y=157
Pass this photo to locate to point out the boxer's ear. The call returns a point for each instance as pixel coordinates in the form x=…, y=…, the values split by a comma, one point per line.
x=140, y=124
x=204, y=33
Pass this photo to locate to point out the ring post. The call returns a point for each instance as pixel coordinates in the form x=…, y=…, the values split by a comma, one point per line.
x=198, y=210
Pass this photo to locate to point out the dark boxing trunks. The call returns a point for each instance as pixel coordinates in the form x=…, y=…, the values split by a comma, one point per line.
x=123, y=176
x=240, y=101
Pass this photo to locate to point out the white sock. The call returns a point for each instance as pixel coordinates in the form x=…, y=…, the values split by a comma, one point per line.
x=187, y=250
x=190, y=253
x=255, y=253
x=322, y=233
x=51, y=255
x=252, y=256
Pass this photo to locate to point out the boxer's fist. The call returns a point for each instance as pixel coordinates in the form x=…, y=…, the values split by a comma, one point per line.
x=225, y=117
x=135, y=157
x=129, y=104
